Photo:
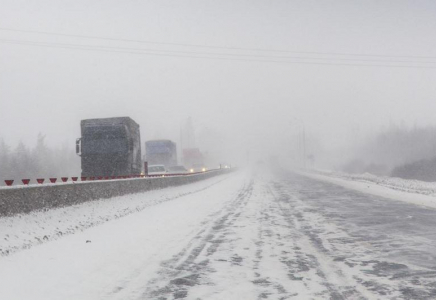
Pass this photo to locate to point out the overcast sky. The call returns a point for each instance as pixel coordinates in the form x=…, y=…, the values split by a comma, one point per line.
x=351, y=66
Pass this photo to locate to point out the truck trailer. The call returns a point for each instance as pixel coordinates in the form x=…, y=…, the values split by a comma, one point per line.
x=109, y=147
x=161, y=152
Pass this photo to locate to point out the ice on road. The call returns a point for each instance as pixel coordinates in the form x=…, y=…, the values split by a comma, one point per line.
x=261, y=235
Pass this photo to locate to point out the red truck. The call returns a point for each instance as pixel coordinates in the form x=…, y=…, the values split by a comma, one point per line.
x=193, y=160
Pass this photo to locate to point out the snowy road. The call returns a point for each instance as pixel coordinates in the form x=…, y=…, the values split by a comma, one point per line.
x=239, y=236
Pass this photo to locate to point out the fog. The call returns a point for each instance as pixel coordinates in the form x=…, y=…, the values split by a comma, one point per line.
x=253, y=76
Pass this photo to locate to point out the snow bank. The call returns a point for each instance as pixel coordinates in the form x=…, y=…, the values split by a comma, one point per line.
x=405, y=185
x=411, y=191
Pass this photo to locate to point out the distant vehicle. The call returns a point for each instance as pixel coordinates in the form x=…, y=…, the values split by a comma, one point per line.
x=192, y=158
x=109, y=147
x=161, y=152
x=177, y=170
x=197, y=168
x=157, y=170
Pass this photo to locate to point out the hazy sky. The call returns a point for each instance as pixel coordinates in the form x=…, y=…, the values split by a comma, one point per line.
x=48, y=85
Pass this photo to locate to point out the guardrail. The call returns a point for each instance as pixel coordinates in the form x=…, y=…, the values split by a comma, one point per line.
x=10, y=182
x=25, y=199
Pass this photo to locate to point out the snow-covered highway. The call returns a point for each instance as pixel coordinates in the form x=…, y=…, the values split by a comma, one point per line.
x=245, y=235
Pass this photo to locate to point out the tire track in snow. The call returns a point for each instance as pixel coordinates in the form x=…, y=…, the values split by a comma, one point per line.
x=276, y=240
x=247, y=251
x=362, y=237
x=184, y=271
x=310, y=254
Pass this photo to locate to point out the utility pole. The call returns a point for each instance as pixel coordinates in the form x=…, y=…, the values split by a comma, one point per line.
x=181, y=144
x=301, y=140
x=304, y=146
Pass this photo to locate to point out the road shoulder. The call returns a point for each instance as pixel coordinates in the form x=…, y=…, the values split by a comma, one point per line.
x=377, y=190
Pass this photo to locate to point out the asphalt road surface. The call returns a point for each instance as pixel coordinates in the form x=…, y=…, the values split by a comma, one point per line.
x=246, y=235
x=286, y=236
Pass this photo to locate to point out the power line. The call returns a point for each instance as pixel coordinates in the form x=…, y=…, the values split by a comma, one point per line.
x=80, y=46
x=213, y=47
x=205, y=56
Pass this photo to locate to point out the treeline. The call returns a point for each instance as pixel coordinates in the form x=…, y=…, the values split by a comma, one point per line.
x=424, y=170
x=397, y=151
x=37, y=162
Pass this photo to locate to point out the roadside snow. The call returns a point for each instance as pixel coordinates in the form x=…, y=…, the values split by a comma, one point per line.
x=108, y=260
x=27, y=230
x=405, y=185
x=410, y=191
